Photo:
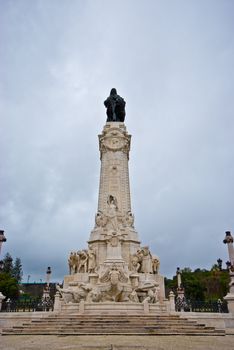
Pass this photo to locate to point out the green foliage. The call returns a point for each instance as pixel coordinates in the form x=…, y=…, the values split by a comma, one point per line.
x=10, y=277
x=17, y=272
x=170, y=284
x=8, y=285
x=8, y=263
x=193, y=286
x=201, y=284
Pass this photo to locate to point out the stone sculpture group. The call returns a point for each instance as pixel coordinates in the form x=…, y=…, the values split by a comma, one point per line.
x=113, y=284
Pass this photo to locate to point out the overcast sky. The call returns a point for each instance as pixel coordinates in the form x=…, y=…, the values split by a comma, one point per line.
x=173, y=62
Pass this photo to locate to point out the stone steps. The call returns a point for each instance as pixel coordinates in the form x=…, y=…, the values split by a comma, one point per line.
x=91, y=325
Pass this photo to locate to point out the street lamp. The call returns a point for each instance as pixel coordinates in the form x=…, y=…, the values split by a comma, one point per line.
x=229, y=241
x=220, y=261
x=230, y=265
x=46, y=290
x=48, y=274
x=2, y=239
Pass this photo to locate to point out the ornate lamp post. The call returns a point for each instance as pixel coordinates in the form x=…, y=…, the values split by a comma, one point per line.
x=46, y=291
x=48, y=275
x=180, y=300
x=46, y=300
x=220, y=261
x=2, y=239
x=230, y=296
x=229, y=241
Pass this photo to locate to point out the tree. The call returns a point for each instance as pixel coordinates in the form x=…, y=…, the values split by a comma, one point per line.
x=201, y=284
x=8, y=264
x=17, y=271
x=8, y=286
x=10, y=277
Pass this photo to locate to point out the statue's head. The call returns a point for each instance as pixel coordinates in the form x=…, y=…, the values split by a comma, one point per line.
x=113, y=91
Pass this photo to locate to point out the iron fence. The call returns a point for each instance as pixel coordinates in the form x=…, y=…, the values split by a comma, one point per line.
x=27, y=305
x=201, y=306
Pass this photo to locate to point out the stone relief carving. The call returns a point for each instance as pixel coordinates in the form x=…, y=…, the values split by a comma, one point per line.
x=100, y=219
x=128, y=219
x=74, y=294
x=114, y=274
x=114, y=141
x=94, y=295
x=116, y=289
x=112, y=218
x=152, y=296
x=114, y=241
x=65, y=293
x=133, y=297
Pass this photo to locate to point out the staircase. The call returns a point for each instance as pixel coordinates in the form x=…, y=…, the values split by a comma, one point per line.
x=74, y=324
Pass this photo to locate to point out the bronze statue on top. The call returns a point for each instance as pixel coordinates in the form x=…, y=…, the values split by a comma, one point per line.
x=115, y=107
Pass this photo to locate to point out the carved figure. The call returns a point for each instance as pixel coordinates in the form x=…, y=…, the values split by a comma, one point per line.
x=135, y=263
x=83, y=264
x=150, y=297
x=139, y=255
x=133, y=297
x=66, y=294
x=73, y=262
x=129, y=219
x=112, y=219
x=94, y=296
x=81, y=292
x=114, y=241
x=114, y=275
x=100, y=219
x=91, y=260
x=115, y=107
x=146, y=265
x=115, y=290
x=155, y=264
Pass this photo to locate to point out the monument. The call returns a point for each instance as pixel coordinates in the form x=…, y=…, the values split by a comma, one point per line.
x=114, y=267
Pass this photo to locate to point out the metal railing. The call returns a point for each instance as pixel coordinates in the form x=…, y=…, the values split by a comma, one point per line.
x=201, y=306
x=27, y=305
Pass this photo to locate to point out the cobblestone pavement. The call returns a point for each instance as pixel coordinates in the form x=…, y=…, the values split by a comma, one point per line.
x=116, y=342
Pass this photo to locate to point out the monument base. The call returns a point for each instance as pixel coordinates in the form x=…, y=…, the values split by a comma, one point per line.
x=114, y=308
x=230, y=301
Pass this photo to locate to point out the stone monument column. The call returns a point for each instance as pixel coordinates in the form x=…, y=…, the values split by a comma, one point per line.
x=114, y=234
x=114, y=219
x=114, y=267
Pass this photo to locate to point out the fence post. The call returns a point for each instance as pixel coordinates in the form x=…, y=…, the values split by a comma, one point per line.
x=172, y=301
